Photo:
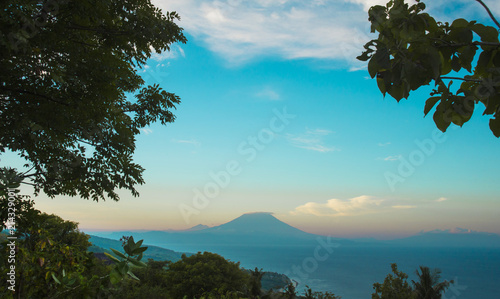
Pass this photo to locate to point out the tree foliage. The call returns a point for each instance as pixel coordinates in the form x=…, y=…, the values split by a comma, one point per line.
x=310, y=294
x=395, y=286
x=71, y=98
x=49, y=246
x=429, y=285
x=204, y=273
x=51, y=257
x=413, y=50
x=255, y=282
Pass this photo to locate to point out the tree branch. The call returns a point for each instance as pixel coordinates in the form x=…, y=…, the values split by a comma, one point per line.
x=463, y=79
x=475, y=43
x=34, y=94
x=30, y=184
x=489, y=12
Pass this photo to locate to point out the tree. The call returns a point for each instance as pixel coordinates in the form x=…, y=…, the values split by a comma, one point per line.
x=204, y=274
x=310, y=294
x=428, y=285
x=71, y=98
x=395, y=286
x=153, y=282
x=413, y=49
x=49, y=246
x=290, y=291
x=51, y=259
x=256, y=282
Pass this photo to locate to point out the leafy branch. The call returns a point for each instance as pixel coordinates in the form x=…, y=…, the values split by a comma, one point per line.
x=121, y=269
x=413, y=50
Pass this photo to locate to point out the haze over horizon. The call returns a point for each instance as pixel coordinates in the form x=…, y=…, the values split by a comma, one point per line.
x=277, y=115
x=244, y=222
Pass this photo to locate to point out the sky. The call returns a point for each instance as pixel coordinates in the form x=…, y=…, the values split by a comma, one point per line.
x=278, y=116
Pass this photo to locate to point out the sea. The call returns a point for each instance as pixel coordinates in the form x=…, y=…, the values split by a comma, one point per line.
x=350, y=271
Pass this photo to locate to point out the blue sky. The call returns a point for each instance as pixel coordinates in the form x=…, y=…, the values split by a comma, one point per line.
x=278, y=116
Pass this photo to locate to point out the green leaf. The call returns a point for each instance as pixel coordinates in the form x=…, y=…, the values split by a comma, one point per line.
x=139, y=243
x=115, y=277
x=460, y=23
x=71, y=281
x=373, y=67
x=380, y=61
x=112, y=257
x=441, y=118
x=132, y=275
x=445, y=64
x=118, y=253
x=139, y=250
x=377, y=15
x=492, y=104
x=365, y=55
x=430, y=22
x=397, y=91
x=461, y=35
x=381, y=85
x=122, y=267
x=487, y=33
x=466, y=56
x=55, y=279
x=137, y=263
x=495, y=125
x=434, y=59
x=484, y=61
x=455, y=63
x=429, y=104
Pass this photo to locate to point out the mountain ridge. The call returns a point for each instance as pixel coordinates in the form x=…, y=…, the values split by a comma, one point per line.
x=264, y=229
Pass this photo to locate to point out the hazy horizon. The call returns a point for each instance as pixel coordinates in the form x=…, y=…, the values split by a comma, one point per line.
x=455, y=230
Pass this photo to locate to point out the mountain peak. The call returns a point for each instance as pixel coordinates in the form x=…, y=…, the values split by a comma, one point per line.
x=258, y=222
x=197, y=227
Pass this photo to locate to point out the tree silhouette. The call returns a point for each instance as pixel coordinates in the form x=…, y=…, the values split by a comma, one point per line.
x=428, y=285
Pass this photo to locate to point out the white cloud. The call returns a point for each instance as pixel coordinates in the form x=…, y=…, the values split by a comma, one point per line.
x=320, y=132
x=384, y=144
x=369, y=3
x=392, y=158
x=146, y=131
x=191, y=141
x=175, y=52
x=441, y=199
x=337, y=207
x=312, y=139
x=241, y=30
x=269, y=93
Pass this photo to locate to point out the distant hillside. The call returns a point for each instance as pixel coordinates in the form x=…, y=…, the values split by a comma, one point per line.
x=255, y=229
x=457, y=237
x=101, y=245
x=270, y=280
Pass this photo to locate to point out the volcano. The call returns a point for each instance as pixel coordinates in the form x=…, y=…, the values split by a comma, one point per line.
x=261, y=223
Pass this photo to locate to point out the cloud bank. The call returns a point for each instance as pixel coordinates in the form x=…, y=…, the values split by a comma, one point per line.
x=242, y=30
x=337, y=207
